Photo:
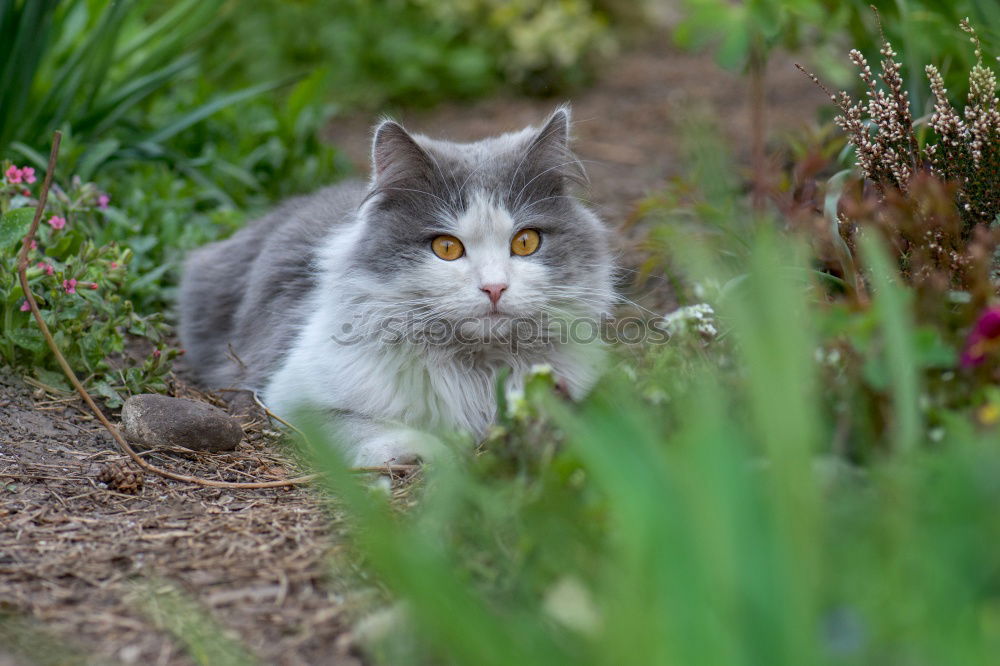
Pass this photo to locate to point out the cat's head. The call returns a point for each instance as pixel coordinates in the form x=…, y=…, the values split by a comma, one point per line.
x=482, y=233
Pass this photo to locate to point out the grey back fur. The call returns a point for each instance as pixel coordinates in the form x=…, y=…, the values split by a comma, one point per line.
x=243, y=299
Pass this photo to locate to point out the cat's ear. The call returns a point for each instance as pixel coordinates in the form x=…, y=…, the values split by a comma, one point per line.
x=554, y=134
x=398, y=162
x=548, y=162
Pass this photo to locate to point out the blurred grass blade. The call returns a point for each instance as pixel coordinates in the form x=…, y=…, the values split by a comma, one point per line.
x=80, y=72
x=897, y=326
x=111, y=110
x=207, y=109
x=25, y=32
x=418, y=569
x=203, y=639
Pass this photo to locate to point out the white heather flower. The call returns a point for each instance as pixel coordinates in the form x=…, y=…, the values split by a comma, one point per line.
x=698, y=318
x=540, y=370
x=517, y=405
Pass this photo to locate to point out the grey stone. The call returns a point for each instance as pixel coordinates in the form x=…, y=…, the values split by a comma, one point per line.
x=150, y=420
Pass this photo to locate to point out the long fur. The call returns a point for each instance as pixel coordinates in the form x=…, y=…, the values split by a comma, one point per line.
x=333, y=301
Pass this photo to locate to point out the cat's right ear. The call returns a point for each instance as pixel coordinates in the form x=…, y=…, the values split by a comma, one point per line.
x=398, y=162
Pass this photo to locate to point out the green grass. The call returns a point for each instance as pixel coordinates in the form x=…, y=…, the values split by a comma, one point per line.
x=712, y=526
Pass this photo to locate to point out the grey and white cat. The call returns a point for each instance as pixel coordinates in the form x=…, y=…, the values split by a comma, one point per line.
x=392, y=306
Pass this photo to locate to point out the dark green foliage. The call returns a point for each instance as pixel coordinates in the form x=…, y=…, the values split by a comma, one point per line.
x=922, y=30
x=416, y=52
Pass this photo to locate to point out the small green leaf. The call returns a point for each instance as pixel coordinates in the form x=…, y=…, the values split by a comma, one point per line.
x=27, y=338
x=14, y=225
x=932, y=351
x=111, y=397
x=56, y=380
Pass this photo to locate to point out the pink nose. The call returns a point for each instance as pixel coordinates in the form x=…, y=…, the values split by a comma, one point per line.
x=494, y=291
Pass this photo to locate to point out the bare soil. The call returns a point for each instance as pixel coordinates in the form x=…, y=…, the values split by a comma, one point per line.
x=627, y=127
x=81, y=565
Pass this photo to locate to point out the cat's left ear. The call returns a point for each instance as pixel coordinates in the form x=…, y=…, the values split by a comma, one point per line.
x=555, y=132
x=548, y=162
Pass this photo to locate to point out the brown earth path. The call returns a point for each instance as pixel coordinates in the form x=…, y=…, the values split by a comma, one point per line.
x=625, y=127
x=82, y=568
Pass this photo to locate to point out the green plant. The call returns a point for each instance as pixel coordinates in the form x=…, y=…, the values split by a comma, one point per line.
x=262, y=150
x=546, y=46
x=744, y=34
x=77, y=285
x=707, y=526
x=965, y=153
x=741, y=32
x=414, y=51
x=93, y=67
x=923, y=30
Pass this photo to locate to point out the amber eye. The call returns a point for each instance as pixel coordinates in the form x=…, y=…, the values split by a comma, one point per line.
x=525, y=242
x=448, y=248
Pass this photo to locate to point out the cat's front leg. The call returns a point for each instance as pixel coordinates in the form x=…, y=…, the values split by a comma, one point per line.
x=372, y=443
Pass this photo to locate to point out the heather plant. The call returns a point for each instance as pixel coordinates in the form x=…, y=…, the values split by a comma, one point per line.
x=964, y=151
x=933, y=197
x=79, y=287
x=968, y=148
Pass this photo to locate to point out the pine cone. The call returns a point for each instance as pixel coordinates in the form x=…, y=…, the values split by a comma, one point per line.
x=121, y=477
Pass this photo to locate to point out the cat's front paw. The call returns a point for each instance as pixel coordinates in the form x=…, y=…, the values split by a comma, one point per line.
x=404, y=447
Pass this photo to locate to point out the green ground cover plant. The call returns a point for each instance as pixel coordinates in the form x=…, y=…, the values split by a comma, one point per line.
x=80, y=287
x=743, y=34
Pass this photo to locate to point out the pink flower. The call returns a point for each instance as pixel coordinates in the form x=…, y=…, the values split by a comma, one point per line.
x=102, y=201
x=69, y=286
x=34, y=244
x=26, y=193
x=46, y=267
x=57, y=222
x=983, y=339
x=24, y=306
x=13, y=175
x=113, y=265
x=28, y=174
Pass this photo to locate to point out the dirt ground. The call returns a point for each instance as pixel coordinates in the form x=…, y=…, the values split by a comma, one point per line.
x=625, y=128
x=84, y=568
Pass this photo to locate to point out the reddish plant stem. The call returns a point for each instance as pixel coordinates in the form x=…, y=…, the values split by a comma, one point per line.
x=758, y=124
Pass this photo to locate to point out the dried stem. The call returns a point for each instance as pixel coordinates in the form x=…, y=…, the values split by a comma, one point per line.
x=965, y=151
x=22, y=268
x=758, y=122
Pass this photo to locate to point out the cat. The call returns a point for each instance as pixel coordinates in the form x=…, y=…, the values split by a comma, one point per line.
x=392, y=306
